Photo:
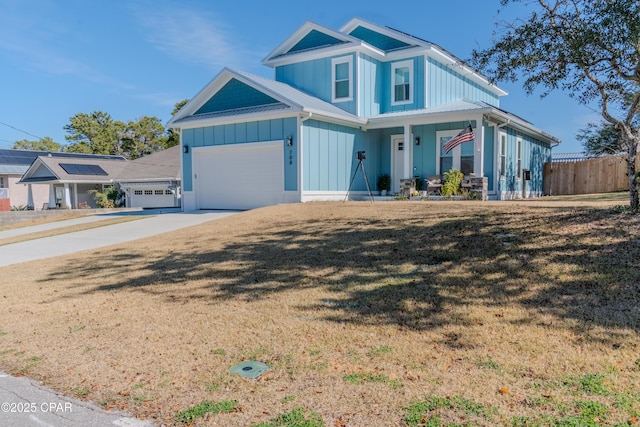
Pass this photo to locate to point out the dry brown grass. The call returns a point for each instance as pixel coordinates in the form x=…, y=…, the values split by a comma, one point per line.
x=507, y=305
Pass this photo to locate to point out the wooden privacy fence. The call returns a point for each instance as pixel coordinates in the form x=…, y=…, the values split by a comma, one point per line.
x=599, y=175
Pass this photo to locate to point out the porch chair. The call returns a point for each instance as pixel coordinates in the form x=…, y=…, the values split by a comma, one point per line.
x=433, y=184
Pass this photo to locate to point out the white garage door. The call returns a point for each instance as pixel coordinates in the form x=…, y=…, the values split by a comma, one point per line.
x=151, y=197
x=239, y=176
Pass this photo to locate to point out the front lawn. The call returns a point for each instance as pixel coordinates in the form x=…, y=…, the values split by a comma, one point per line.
x=391, y=313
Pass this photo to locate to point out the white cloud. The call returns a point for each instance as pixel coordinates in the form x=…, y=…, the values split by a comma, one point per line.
x=194, y=36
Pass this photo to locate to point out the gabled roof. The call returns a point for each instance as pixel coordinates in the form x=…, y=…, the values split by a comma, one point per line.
x=382, y=43
x=61, y=169
x=161, y=165
x=16, y=162
x=286, y=99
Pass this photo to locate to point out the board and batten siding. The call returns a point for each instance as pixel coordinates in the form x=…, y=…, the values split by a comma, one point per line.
x=239, y=133
x=315, y=78
x=370, y=85
x=330, y=157
x=534, y=155
x=445, y=85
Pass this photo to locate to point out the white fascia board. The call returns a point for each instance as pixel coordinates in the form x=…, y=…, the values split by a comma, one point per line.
x=335, y=118
x=517, y=123
x=202, y=96
x=228, y=120
x=299, y=34
x=464, y=70
x=423, y=119
x=351, y=47
x=357, y=22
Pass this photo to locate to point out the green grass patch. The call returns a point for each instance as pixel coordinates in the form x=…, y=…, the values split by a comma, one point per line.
x=200, y=410
x=379, y=351
x=298, y=417
x=368, y=377
x=432, y=411
x=219, y=351
x=588, y=384
x=489, y=363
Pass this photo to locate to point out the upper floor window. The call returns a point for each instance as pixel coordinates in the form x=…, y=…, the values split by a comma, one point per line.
x=402, y=82
x=342, y=72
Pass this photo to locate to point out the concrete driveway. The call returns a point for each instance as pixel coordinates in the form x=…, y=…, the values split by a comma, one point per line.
x=153, y=221
x=24, y=402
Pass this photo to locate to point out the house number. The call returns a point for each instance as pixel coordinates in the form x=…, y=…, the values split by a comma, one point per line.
x=290, y=157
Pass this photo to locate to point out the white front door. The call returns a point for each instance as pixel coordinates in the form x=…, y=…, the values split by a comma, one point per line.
x=397, y=162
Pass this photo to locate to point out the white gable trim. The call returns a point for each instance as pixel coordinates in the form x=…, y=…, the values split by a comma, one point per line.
x=301, y=33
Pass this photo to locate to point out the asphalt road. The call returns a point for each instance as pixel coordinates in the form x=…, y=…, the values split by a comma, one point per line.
x=26, y=403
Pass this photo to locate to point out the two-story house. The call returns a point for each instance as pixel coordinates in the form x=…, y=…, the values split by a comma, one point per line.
x=249, y=141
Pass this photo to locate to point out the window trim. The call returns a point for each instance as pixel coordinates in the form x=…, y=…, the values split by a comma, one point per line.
x=519, y=157
x=334, y=62
x=502, y=155
x=409, y=63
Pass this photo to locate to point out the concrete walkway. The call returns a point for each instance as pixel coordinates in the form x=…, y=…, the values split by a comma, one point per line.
x=24, y=402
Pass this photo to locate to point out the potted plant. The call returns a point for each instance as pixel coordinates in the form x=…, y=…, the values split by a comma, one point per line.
x=384, y=184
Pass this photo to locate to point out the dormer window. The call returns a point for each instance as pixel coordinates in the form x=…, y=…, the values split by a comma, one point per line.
x=402, y=82
x=342, y=72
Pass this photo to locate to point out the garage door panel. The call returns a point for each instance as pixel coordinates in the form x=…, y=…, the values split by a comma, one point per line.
x=242, y=176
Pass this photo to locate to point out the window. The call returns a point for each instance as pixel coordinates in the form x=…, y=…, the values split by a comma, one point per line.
x=503, y=155
x=460, y=158
x=159, y=192
x=1, y=181
x=402, y=82
x=519, y=158
x=137, y=192
x=168, y=192
x=148, y=192
x=342, y=70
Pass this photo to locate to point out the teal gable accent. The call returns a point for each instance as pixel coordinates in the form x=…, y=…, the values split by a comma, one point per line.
x=445, y=85
x=234, y=95
x=257, y=131
x=374, y=38
x=314, y=39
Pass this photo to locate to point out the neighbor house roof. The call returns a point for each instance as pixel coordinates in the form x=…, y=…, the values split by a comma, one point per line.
x=161, y=165
x=16, y=162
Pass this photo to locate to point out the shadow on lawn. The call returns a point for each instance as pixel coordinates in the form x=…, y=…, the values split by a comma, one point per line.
x=411, y=272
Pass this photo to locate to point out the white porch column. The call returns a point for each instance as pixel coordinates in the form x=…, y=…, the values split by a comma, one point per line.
x=52, y=196
x=478, y=156
x=408, y=152
x=67, y=196
x=30, y=197
x=76, y=203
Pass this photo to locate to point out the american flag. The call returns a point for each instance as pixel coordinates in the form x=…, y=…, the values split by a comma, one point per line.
x=465, y=136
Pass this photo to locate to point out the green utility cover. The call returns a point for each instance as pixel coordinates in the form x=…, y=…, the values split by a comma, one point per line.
x=249, y=369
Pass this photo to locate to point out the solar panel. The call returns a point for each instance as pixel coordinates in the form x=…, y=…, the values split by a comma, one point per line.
x=75, y=169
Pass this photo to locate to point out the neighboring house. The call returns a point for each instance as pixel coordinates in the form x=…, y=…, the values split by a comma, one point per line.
x=249, y=141
x=152, y=181
x=149, y=182
x=13, y=165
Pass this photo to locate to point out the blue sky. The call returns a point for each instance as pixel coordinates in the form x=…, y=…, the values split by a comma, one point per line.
x=138, y=58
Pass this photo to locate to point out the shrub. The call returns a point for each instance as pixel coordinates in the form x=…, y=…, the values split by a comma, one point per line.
x=452, y=183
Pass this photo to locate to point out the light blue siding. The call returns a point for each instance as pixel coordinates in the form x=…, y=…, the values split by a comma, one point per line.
x=489, y=155
x=330, y=157
x=370, y=86
x=445, y=85
x=264, y=130
x=314, y=78
x=425, y=158
x=534, y=154
x=417, y=87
